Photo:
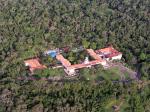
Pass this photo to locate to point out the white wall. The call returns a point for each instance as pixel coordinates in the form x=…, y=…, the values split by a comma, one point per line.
x=70, y=72
x=26, y=64
x=117, y=57
x=103, y=63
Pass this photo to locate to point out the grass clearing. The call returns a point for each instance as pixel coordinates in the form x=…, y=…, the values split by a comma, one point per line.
x=49, y=72
x=111, y=74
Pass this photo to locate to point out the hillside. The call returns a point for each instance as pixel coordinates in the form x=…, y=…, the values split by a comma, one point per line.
x=28, y=28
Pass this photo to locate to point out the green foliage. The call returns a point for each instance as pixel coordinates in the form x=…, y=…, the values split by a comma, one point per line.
x=29, y=27
x=46, y=60
x=85, y=43
x=93, y=45
x=49, y=72
x=142, y=56
x=98, y=74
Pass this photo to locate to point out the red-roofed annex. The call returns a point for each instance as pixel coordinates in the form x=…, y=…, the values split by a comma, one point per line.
x=34, y=64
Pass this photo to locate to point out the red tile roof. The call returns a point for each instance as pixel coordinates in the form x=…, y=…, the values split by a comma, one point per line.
x=67, y=64
x=109, y=52
x=93, y=54
x=78, y=66
x=64, y=61
x=34, y=64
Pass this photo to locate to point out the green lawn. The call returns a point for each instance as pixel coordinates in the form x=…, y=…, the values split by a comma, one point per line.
x=111, y=74
x=97, y=74
x=49, y=72
x=126, y=74
x=108, y=104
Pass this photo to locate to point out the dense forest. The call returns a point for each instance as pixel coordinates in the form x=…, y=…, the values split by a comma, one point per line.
x=28, y=28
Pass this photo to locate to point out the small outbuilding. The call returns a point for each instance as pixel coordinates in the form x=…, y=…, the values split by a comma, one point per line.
x=34, y=64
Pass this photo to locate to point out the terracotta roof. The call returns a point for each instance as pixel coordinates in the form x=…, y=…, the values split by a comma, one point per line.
x=64, y=61
x=34, y=64
x=93, y=54
x=78, y=66
x=108, y=49
x=108, y=52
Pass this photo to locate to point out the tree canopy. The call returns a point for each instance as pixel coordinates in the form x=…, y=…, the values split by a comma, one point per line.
x=29, y=27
